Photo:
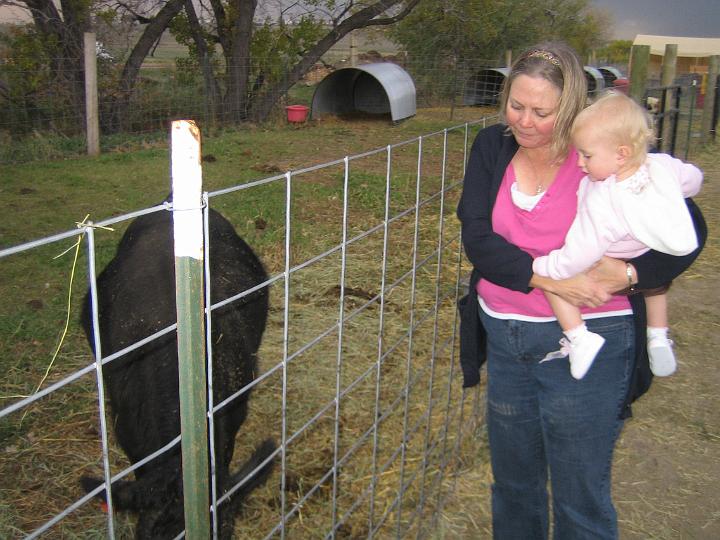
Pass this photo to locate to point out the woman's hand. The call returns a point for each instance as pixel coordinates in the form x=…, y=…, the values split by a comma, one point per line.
x=612, y=274
x=580, y=290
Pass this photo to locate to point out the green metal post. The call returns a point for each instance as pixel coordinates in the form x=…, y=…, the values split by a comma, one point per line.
x=188, y=226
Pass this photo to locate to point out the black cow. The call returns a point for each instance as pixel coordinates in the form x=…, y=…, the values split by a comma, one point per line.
x=136, y=298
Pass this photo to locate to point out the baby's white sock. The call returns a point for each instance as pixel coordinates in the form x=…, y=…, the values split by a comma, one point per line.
x=575, y=333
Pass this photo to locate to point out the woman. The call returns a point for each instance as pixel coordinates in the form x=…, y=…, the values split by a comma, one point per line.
x=519, y=199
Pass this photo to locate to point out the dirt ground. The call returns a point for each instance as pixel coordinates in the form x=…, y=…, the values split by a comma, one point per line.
x=666, y=475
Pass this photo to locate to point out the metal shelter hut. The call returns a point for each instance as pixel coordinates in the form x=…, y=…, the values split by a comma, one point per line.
x=484, y=87
x=595, y=80
x=610, y=74
x=378, y=88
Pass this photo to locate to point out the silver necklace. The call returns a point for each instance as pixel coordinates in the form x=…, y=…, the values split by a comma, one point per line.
x=539, y=188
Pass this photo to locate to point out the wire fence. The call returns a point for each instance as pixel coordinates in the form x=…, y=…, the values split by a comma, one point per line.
x=41, y=117
x=42, y=114
x=357, y=381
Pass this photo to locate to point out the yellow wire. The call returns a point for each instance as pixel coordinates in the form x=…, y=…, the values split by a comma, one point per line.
x=67, y=317
x=76, y=246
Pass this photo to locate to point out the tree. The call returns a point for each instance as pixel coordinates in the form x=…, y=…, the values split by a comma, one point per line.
x=59, y=36
x=238, y=90
x=616, y=52
x=472, y=30
x=291, y=47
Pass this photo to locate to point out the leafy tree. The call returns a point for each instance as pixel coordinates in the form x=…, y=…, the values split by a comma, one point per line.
x=616, y=52
x=260, y=62
x=225, y=40
x=57, y=32
x=482, y=30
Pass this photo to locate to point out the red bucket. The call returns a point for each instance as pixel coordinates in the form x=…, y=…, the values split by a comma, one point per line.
x=297, y=113
x=621, y=85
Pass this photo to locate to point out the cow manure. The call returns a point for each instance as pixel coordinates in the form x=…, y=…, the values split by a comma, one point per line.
x=35, y=304
x=267, y=168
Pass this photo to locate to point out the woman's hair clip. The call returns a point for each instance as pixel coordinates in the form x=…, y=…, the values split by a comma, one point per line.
x=545, y=55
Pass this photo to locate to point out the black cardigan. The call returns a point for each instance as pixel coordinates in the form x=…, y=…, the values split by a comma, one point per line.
x=504, y=264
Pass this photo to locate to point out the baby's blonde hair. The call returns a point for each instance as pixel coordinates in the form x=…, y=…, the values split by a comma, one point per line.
x=622, y=120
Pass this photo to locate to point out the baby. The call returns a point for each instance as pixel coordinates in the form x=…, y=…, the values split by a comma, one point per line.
x=629, y=202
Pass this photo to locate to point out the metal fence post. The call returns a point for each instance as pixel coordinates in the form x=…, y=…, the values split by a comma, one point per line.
x=188, y=228
x=693, y=97
x=707, y=121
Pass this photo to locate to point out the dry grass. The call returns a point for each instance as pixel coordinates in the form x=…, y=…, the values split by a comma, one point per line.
x=357, y=429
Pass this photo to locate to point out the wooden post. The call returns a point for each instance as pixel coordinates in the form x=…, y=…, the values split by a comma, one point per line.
x=708, y=129
x=667, y=78
x=92, y=122
x=188, y=231
x=669, y=65
x=639, y=59
x=353, y=50
x=508, y=57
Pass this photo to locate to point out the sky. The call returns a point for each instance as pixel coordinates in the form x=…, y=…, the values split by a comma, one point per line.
x=686, y=18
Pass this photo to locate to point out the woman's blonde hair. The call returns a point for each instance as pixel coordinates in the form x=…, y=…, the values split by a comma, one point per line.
x=559, y=64
x=622, y=120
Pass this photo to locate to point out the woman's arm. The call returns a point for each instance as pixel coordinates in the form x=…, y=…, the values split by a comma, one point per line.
x=580, y=290
x=495, y=258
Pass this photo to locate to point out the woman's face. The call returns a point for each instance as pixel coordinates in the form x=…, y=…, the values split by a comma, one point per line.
x=531, y=110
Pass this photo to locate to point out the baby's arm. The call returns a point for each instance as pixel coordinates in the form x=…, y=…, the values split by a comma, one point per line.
x=589, y=237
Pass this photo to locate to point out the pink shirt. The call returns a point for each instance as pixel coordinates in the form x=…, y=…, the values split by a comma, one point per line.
x=538, y=231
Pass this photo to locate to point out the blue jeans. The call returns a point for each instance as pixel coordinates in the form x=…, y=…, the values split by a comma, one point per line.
x=541, y=420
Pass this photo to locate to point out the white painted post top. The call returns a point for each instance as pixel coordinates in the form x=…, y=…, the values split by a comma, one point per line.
x=186, y=171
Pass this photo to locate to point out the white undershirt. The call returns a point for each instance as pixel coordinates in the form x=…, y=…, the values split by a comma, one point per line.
x=523, y=200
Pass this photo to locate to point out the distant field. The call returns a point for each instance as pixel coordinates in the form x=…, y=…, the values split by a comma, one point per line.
x=168, y=49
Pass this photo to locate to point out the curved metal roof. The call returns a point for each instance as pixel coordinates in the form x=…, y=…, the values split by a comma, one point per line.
x=377, y=88
x=610, y=74
x=595, y=80
x=484, y=87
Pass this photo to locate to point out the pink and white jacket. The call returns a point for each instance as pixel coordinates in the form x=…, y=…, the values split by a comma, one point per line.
x=625, y=219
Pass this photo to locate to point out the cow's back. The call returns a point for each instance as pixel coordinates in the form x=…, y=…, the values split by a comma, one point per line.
x=136, y=298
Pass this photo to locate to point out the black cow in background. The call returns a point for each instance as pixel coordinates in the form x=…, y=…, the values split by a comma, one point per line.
x=136, y=298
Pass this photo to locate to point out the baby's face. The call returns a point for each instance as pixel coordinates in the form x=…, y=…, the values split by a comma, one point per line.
x=598, y=156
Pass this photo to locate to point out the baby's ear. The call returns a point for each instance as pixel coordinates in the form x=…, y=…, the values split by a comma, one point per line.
x=624, y=153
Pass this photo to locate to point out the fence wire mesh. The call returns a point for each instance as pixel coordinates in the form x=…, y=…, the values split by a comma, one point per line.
x=357, y=380
x=42, y=114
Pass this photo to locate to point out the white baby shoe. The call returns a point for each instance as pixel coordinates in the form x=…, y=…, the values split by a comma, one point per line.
x=582, y=351
x=662, y=358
